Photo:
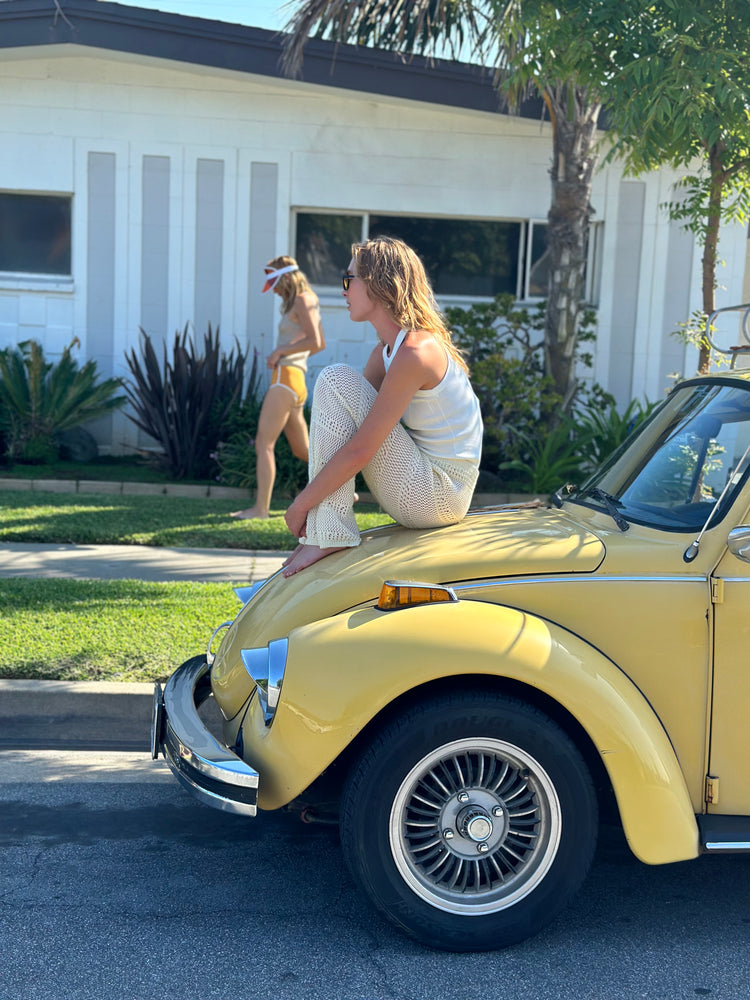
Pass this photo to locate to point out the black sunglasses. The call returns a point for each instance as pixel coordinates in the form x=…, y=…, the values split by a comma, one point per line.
x=346, y=279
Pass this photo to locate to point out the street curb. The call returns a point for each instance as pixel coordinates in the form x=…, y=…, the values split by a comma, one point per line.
x=40, y=714
x=124, y=488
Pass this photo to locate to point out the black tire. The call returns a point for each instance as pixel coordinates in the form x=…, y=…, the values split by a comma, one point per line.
x=470, y=821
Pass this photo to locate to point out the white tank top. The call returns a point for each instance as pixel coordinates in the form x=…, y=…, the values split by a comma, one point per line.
x=446, y=421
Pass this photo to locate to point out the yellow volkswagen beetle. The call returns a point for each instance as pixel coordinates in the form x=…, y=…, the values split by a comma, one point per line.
x=471, y=696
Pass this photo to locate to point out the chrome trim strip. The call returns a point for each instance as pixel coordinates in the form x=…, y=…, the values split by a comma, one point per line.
x=572, y=578
x=207, y=768
x=729, y=845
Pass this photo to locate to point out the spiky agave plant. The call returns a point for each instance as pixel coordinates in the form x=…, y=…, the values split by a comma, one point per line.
x=41, y=398
x=184, y=403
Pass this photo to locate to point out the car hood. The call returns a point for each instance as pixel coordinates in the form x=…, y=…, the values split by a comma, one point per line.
x=493, y=543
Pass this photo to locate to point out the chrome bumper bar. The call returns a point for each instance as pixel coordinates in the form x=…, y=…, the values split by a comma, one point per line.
x=207, y=768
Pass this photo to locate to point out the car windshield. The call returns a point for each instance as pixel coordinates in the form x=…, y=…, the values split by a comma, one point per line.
x=672, y=471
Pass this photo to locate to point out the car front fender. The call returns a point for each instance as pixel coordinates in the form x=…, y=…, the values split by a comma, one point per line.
x=342, y=671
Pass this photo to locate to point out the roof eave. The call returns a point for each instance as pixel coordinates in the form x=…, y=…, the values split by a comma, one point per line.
x=239, y=48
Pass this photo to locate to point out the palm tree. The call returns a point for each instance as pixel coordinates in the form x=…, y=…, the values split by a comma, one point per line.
x=535, y=47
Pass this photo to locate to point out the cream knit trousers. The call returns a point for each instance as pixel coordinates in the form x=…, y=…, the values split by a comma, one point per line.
x=415, y=489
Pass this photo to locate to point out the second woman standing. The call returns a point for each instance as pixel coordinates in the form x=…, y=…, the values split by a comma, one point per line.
x=300, y=335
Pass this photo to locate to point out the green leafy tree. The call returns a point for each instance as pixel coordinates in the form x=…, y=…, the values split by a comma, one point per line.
x=39, y=399
x=564, y=53
x=684, y=99
x=503, y=345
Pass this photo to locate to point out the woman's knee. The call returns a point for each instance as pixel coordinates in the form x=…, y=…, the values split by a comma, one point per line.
x=266, y=443
x=334, y=376
x=340, y=385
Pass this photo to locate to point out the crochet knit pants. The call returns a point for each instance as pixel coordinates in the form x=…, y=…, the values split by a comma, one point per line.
x=415, y=489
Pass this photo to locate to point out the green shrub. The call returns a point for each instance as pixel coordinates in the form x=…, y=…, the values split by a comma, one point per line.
x=577, y=446
x=39, y=399
x=504, y=347
x=552, y=458
x=528, y=438
x=187, y=403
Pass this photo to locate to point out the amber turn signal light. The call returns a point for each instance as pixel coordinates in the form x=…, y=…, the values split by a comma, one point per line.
x=408, y=593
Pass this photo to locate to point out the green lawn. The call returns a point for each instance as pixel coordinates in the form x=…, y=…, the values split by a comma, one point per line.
x=120, y=630
x=90, y=519
x=113, y=630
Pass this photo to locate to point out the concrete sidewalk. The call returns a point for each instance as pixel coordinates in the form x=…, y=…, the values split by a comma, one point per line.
x=137, y=562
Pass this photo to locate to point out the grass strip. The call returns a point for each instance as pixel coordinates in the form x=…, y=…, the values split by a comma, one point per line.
x=106, y=630
x=176, y=522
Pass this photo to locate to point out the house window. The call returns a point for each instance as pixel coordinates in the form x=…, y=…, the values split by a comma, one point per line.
x=324, y=245
x=35, y=234
x=463, y=257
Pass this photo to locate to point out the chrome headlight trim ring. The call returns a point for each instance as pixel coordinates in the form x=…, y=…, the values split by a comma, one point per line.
x=210, y=657
x=266, y=667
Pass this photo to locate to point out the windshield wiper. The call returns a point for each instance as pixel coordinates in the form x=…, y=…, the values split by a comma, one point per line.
x=610, y=503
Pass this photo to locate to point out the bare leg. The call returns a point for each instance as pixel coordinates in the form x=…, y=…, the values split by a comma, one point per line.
x=274, y=414
x=295, y=431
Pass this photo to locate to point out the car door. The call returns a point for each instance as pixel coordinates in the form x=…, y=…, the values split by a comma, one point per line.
x=729, y=762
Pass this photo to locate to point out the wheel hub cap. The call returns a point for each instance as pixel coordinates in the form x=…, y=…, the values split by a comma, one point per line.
x=475, y=826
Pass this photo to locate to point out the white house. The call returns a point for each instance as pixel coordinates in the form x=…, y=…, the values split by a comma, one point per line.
x=151, y=163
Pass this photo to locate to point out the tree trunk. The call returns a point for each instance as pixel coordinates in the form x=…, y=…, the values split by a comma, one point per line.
x=711, y=247
x=574, y=156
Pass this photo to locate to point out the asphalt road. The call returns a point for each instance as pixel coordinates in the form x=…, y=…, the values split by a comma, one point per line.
x=118, y=886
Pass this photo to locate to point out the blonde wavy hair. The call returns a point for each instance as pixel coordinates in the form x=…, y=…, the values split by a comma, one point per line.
x=395, y=277
x=289, y=285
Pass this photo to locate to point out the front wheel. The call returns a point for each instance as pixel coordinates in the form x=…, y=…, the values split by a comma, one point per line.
x=470, y=821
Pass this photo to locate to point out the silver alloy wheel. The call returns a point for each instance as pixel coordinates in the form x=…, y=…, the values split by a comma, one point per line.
x=475, y=826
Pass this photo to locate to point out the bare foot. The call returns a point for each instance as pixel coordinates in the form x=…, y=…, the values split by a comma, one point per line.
x=251, y=514
x=306, y=555
x=291, y=556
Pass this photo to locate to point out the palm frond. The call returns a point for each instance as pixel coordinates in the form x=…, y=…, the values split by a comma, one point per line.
x=409, y=27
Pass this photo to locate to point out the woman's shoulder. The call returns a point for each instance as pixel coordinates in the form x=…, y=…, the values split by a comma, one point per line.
x=307, y=299
x=424, y=345
x=422, y=350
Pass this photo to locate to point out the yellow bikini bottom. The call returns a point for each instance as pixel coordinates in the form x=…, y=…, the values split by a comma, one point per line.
x=292, y=378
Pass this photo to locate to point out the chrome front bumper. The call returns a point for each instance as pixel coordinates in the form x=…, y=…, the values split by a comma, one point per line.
x=207, y=768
